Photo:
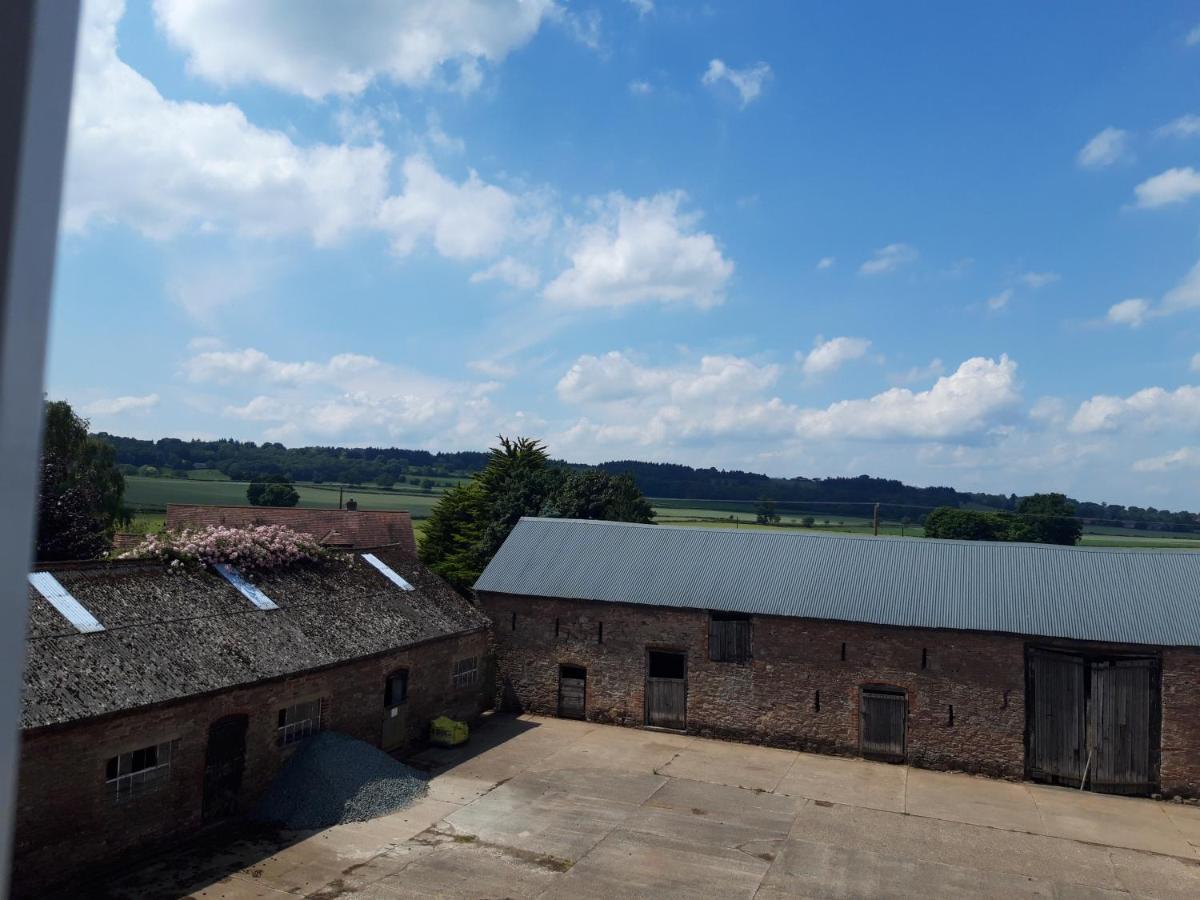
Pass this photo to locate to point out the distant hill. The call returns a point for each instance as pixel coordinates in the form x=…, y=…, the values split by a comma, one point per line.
x=244, y=460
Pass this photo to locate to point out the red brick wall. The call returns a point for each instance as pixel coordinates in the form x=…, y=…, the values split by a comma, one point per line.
x=773, y=699
x=65, y=815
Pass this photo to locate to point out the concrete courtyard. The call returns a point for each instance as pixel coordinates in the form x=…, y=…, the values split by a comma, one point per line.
x=537, y=807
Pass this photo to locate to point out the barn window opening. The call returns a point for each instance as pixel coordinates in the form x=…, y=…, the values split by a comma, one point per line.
x=817, y=701
x=514, y=621
x=843, y=651
x=466, y=672
x=131, y=774
x=396, y=690
x=667, y=665
x=950, y=715
x=298, y=721
x=600, y=633
x=729, y=637
x=924, y=658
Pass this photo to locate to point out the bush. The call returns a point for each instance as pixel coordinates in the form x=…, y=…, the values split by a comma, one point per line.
x=258, y=548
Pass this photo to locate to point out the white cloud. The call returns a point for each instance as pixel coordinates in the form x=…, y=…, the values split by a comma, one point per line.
x=465, y=220
x=1130, y=312
x=641, y=251
x=1151, y=408
x=1185, y=126
x=825, y=262
x=163, y=166
x=1183, y=458
x=748, y=81
x=643, y=7
x=493, y=368
x=1171, y=186
x=585, y=26
x=828, y=356
x=1049, y=411
x=963, y=404
x=1109, y=146
x=511, y=271
x=1193, y=37
x=889, y=258
x=1195, y=363
x=917, y=374
x=1036, y=280
x=615, y=377
x=249, y=364
x=1185, y=295
x=114, y=406
x=997, y=302
x=318, y=49
x=641, y=87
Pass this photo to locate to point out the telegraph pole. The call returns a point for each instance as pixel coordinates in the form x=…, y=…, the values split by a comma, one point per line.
x=875, y=520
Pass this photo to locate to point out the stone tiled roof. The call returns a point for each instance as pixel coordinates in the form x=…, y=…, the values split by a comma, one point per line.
x=172, y=635
x=360, y=528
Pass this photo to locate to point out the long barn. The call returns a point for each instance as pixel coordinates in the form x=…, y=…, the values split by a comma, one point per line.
x=1060, y=664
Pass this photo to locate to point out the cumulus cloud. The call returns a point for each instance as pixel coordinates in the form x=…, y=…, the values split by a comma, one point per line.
x=829, y=356
x=888, y=259
x=1109, y=146
x=825, y=262
x=114, y=406
x=641, y=87
x=1036, y=280
x=1195, y=363
x=1192, y=38
x=319, y=49
x=1130, y=312
x=645, y=250
x=250, y=364
x=164, y=167
x=997, y=302
x=614, y=376
x=1183, y=458
x=1167, y=188
x=643, y=7
x=1185, y=126
x=959, y=405
x=1151, y=408
x=748, y=82
x=510, y=271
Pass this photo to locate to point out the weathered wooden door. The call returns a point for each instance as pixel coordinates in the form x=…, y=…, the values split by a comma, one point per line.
x=666, y=690
x=1120, y=726
x=1058, y=718
x=395, y=710
x=572, y=692
x=224, y=763
x=884, y=712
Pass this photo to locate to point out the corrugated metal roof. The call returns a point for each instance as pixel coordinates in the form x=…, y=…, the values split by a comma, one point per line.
x=1124, y=596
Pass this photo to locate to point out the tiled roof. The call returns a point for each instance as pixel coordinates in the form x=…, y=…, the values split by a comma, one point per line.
x=1122, y=596
x=172, y=635
x=354, y=528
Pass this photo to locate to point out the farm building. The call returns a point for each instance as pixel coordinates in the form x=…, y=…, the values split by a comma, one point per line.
x=157, y=702
x=345, y=528
x=1053, y=663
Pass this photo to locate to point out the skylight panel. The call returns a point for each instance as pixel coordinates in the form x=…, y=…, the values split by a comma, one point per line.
x=248, y=590
x=70, y=608
x=387, y=571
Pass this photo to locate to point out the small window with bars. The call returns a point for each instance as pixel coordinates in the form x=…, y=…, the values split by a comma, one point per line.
x=298, y=721
x=729, y=637
x=466, y=672
x=139, y=771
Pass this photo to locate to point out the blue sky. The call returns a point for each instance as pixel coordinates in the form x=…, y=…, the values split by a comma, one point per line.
x=950, y=244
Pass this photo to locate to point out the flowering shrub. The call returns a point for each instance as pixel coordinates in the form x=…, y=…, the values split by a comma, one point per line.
x=257, y=548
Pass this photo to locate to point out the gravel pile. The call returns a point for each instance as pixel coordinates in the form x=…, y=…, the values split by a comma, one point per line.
x=333, y=779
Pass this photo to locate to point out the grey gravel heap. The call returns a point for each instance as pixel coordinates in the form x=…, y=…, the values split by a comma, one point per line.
x=332, y=779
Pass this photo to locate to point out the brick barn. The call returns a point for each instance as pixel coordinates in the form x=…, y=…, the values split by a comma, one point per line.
x=157, y=702
x=1059, y=664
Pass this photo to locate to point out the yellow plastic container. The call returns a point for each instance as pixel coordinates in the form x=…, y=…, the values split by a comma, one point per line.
x=445, y=732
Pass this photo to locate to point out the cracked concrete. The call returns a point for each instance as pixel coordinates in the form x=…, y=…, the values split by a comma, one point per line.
x=546, y=808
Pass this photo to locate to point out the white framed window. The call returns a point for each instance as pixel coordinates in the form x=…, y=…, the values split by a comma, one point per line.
x=298, y=721
x=131, y=774
x=466, y=672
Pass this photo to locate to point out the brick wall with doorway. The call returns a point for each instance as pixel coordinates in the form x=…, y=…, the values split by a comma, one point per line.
x=801, y=688
x=68, y=818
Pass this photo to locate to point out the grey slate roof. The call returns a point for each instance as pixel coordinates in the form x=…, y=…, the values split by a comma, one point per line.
x=169, y=636
x=1123, y=596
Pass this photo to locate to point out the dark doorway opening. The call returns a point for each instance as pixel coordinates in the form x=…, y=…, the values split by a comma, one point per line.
x=224, y=763
x=395, y=709
x=572, y=692
x=666, y=689
x=884, y=717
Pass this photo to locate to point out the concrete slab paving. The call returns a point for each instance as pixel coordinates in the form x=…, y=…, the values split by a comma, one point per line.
x=856, y=782
x=976, y=801
x=550, y=808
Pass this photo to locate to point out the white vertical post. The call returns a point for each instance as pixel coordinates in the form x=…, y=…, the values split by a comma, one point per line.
x=37, y=60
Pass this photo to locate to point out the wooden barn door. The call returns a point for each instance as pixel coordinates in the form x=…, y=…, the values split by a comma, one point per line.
x=572, y=692
x=882, y=731
x=1120, y=725
x=224, y=764
x=666, y=690
x=1058, y=731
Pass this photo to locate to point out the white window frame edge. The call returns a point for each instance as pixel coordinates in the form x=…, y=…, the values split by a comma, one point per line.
x=36, y=71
